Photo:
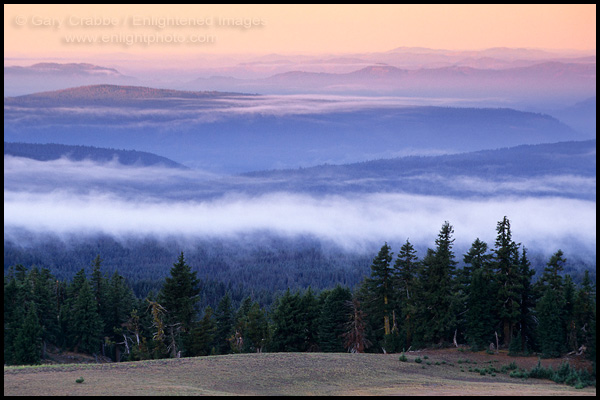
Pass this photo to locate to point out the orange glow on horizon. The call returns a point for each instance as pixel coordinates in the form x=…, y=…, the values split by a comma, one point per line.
x=46, y=30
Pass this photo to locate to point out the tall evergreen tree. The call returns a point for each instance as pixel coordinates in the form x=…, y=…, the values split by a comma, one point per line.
x=179, y=296
x=225, y=321
x=379, y=293
x=569, y=314
x=552, y=272
x=118, y=304
x=551, y=335
x=28, y=342
x=308, y=318
x=257, y=329
x=42, y=294
x=85, y=324
x=333, y=318
x=478, y=278
x=526, y=324
x=551, y=308
x=405, y=273
x=436, y=315
x=584, y=311
x=509, y=279
x=203, y=335
x=288, y=327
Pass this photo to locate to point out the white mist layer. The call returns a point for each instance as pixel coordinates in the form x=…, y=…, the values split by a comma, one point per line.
x=351, y=221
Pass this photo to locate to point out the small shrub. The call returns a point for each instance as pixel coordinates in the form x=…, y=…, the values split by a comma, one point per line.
x=519, y=373
x=79, y=380
x=418, y=360
x=540, y=372
x=425, y=357
x=403, y=357
x=510, y=367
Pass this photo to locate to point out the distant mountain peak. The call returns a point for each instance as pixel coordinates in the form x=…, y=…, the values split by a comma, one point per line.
x=378, y=70
x=113, y=93
x=64, y=68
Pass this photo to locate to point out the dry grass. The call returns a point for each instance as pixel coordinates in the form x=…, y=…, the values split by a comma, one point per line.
x=278, y=374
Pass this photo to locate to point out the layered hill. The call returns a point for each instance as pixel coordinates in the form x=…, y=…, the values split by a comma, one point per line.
x=53, y=151
x=231, y=133
x=52, y=76
x=105, y=94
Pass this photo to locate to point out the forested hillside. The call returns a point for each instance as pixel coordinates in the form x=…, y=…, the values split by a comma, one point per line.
x=539, y=170
x=53, y=151
x=411, y=301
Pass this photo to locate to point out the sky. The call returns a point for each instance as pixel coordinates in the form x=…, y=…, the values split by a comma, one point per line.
x=152, y=30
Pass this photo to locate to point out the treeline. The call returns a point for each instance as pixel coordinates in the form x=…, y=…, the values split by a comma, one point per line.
x=409, y=302
x=53, y=151
x=263, y=265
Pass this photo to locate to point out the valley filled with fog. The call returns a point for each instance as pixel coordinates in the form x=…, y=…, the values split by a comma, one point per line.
x=293, y=174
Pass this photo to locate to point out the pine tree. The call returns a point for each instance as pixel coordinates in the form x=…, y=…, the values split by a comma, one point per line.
x=28, y=341
x=308, y=318
x=14, y=309
x=551, y=335
x=380, y=292
x=203, y=335
x=288, y=326
x=159, y=349
x=225, y=321
x=569, y=314
x=241, y=342
x=584, y=311
x=480, y=319
x=40, y=283
x=333, y=319
x=437, y=303
x=552, y=332
x=179, y=296
x=257, y=328
x=355, y=336
x=552, y=272
x=526, y=324
x=509, y=280
x=117, y=306
x=85, y=324
x=405, y=273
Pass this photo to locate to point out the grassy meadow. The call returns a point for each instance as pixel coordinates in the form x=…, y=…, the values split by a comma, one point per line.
x=273, y=374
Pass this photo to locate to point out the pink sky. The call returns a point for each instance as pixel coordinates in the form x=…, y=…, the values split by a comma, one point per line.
x=45, y=30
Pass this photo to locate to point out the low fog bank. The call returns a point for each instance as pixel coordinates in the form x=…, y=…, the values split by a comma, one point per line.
x=258, y=262
x=159, y=184
x=351, y=221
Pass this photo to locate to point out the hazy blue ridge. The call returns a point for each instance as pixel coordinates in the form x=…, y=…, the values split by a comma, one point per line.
x=53, y=151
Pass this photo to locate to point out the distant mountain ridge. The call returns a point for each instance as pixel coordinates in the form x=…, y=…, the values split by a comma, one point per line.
x=62, y=68
x=94, y=94
x=53, y=76
x=454, y=174
x=230, y=132
x=53, y=151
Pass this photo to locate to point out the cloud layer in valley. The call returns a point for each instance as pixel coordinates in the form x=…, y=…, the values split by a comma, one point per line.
x=544, y=224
